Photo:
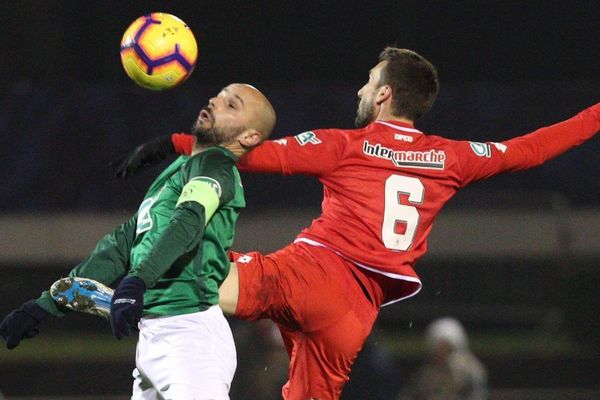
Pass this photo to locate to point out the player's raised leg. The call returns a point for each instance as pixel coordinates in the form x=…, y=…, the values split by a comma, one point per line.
x=319, y=306
x=91, y=297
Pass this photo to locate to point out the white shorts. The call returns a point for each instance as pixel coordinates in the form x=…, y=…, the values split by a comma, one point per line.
x=184, y=357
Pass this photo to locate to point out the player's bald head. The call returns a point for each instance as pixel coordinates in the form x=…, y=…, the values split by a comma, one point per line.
x=239, y=118
x=261, y=115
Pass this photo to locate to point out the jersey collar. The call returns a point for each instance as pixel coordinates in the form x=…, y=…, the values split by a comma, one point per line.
x=401, y=126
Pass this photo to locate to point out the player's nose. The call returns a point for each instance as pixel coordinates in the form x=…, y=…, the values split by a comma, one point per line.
x=212, y=103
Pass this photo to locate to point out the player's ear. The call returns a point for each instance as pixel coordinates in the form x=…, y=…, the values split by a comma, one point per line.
x=250, y=138
x=383, y=93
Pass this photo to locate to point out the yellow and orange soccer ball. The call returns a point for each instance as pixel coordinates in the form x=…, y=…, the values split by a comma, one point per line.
x=158, y=51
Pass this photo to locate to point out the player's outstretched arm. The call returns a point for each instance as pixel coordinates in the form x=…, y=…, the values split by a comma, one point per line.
x=154, y=151
x=551, y=141
x=483, y=160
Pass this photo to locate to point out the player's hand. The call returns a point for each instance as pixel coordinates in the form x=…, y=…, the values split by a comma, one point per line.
x=126, y=306
x=22, y=323
x=146, y=154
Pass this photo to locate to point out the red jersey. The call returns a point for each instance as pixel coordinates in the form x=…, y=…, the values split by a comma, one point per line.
x=385, y=184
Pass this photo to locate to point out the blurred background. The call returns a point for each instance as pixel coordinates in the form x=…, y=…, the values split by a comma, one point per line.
x=515, y=259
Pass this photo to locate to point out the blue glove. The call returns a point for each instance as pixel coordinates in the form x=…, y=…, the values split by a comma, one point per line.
x=22, y=323
x=126, y=306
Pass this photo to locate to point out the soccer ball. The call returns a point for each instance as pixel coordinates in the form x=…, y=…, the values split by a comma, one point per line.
x=158, y=51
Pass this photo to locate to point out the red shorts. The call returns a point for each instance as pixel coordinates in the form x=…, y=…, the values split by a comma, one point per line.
x=323, y=313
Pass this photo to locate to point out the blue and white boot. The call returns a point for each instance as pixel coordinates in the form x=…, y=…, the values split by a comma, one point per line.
x=83, y=295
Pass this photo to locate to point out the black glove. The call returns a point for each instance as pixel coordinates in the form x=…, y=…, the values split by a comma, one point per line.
x=126, y=306
x=22, y=323
x=148, y=153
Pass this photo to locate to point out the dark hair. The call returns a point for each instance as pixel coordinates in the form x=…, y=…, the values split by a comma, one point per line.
x=413, y=80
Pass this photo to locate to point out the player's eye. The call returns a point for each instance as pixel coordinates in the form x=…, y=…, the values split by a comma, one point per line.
x=232, y=105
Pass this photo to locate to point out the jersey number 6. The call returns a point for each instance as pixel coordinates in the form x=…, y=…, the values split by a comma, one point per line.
x=395, y=212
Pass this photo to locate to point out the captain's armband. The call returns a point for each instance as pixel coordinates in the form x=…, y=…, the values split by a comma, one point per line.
x=203, y=190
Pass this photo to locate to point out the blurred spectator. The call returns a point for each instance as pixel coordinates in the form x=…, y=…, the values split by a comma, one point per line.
x=451, y=372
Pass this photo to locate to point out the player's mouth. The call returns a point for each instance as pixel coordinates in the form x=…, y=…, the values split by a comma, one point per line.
x=205, y=115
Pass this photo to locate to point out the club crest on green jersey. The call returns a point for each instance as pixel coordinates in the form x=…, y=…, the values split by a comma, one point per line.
x=144, y=219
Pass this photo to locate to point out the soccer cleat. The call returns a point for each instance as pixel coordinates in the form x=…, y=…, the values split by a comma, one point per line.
x=83, y=295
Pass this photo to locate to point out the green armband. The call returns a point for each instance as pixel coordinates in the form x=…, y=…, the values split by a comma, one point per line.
x=203, y=190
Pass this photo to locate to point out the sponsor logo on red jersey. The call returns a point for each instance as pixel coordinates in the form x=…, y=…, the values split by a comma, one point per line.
x=404, y=138
x=481, y=149
x=430, y=159
x=244, y=259
x=501, y=147
x=307, y=137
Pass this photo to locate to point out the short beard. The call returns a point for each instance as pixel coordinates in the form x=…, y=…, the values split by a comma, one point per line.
x=364, y=116
x=215, y=136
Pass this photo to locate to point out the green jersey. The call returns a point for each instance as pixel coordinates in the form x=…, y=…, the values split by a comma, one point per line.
x=178, y=240
x=192, y=282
